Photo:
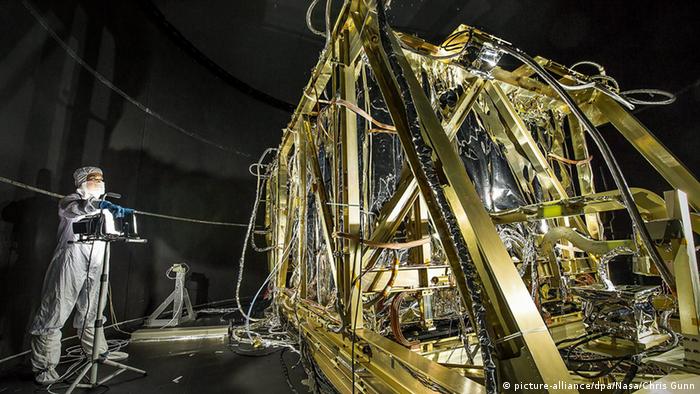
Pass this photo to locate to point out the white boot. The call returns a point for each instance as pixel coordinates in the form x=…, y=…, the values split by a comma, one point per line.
x=86, y=341
x=46, y=353
x=117, y=355
x=45, y=378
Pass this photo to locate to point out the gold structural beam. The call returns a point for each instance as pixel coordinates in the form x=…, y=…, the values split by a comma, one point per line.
x=685, y=264
x=322, y=201
x=663, y=160
x=584, y=173
x=352, y=253
x=396, y=209
x=503, y=285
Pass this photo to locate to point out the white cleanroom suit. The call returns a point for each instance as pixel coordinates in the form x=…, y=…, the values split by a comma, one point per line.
x=71, y=280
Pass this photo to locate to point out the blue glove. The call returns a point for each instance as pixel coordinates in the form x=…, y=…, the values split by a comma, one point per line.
x=117, y=210
x=124, y=211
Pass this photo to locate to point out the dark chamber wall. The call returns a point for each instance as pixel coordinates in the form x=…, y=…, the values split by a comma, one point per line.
x=55, y=117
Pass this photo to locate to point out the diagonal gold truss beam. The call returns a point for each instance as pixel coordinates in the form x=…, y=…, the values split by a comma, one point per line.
x=505, y=290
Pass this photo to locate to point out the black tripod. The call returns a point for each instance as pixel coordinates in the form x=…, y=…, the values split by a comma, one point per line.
x=96, y=359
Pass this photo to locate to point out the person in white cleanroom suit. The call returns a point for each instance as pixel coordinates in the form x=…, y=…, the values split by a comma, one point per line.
x=72, y=279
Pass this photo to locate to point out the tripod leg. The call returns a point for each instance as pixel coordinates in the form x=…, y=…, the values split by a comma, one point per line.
x=80, y=376
x=123, y=366
x=99, y=324
x=96, y=358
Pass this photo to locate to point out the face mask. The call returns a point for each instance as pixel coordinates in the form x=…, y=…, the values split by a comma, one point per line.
x=99, y=189
x=90, y=189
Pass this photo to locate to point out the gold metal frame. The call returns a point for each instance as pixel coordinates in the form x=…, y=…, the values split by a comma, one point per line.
x=343, y=348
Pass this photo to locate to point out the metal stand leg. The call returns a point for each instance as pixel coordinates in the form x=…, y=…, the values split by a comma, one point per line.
x=177, y=298
x=96, y=358
x=78, y=378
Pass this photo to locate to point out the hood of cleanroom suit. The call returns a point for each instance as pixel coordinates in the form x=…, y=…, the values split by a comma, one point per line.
x=81, y=174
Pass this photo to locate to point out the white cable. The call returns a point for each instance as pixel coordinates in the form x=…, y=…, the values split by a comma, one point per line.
x=252, y=303
x=609, y=79
x=277, y=265
x=71, y=370
x=616, y=97
x=264, y=340
x=157, y=215
x=603, y=89
x=254, y=170
x=578, y=87
x=248, y=331
x=309, y=12
x=170, y=270
x=623, y=97
x=251, y=225
x=601, y=69
x=670, y=97
x=328, y=21
x=610, y=91
x=211, y=311
x=76, y=354
x=260, y=185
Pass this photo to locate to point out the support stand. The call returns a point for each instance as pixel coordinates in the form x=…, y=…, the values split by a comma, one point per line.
x=96, y=358
x=177, y=298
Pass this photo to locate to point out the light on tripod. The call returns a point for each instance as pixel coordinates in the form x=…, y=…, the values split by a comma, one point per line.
x=105, y=224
